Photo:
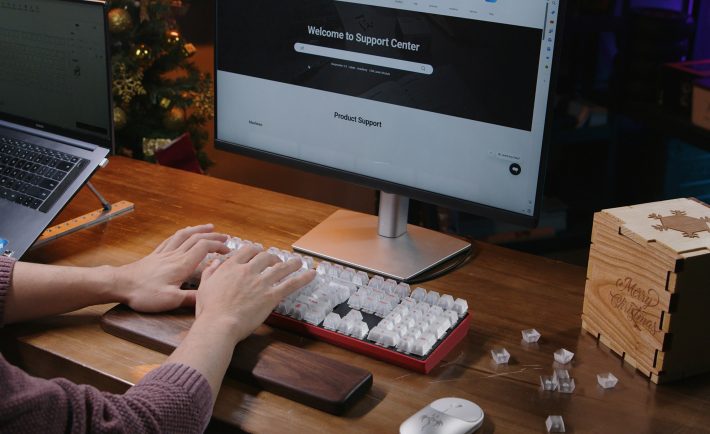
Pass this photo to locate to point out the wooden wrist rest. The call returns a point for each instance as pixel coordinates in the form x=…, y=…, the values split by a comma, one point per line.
x=283, y=369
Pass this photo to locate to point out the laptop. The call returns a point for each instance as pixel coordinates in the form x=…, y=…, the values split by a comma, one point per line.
x=55, y=111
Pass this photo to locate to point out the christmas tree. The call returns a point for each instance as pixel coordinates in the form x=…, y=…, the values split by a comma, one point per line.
x=158, y=92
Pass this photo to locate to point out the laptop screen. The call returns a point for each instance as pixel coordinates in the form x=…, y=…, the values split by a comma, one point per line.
x=54, y=67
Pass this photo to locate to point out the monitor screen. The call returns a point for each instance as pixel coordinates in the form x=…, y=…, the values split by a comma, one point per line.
x=441, y=101
x=53, y=67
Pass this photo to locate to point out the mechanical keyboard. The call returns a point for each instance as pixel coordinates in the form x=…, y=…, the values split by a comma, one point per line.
x=378, y=317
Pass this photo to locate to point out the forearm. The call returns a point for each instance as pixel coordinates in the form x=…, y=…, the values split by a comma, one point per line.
x=208, y=348
x=172, y=398
x=41, y=290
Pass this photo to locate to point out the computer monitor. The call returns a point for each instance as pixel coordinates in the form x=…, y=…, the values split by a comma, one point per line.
x=443, y=101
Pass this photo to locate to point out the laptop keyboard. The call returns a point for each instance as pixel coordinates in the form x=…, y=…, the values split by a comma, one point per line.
x=29, y=174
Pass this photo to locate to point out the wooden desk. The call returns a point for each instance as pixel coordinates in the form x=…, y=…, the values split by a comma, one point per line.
x=507, y=292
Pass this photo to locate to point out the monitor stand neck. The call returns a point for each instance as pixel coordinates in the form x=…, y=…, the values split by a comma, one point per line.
x=392, y=218
x=386, y=245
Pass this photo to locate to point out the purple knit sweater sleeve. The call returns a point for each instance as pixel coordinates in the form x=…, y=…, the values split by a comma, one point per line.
x=173, y=398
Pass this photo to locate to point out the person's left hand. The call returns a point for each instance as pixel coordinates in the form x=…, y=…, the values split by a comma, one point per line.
x=152, y=284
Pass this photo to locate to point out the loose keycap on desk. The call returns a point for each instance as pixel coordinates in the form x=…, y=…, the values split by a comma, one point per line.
x=373, y=309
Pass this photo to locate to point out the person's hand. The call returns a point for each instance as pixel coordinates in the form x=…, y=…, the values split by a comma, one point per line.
x=241, y=292
x=152, y=284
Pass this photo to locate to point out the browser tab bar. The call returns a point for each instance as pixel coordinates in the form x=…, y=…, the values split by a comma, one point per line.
x=526, y=13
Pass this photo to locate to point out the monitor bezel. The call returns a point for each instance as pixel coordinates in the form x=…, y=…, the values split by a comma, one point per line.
x=434, y=198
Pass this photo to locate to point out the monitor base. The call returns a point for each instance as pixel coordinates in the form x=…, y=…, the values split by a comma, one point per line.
x=352, y=239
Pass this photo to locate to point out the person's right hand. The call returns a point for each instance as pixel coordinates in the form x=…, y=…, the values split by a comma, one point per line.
x=241, y=292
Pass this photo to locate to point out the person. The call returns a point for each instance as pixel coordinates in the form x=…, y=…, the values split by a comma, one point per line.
x=232, y=300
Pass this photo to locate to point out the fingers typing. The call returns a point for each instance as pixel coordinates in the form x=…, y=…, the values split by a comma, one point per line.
x=182, y=235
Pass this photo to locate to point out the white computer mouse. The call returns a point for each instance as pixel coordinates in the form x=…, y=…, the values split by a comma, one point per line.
x=444, y=416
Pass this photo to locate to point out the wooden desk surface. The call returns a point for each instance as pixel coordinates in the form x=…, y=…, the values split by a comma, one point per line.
x=507, y=292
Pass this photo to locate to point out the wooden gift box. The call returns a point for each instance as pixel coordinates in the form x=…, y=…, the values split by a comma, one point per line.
x=647, y=295
x=701, y=103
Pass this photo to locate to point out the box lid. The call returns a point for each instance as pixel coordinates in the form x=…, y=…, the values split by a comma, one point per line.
x=681, y=225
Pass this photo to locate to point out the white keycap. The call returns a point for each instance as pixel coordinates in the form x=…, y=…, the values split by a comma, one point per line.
x=452, y=316
x=415, y=332
x=377, y=293
x=284, y=306
x=346, y=326
x=446, y=302
x=233, y=243
x=341, y=290
x=335, y=270
x=395, y=317
x=382, y=308
x=389, y=286
x=386, y=324
x=369, y=304
x=403, y=311
x=429, y=337
x=354, y=315
x=375, y=334
x=314, y=316
x=321, y=298
x=405, y=345
x=346, y=275
x=428, y=319
x=323, y=267
x=416, y=315
x=422, y=307
x=460, y=306
x=392, y=299
x=432, y=297
x=355, y=301
x=440, y=327
x=308, y=261
x=402, y=290
x=436, y=310
x=401, y=329
x=360, y=330
x=299, y=310
x=361, y=278
x=422, y=345
x=331, y=321
x=418, y=294
x=389, y=338
x=376, y=282
x=409, y=302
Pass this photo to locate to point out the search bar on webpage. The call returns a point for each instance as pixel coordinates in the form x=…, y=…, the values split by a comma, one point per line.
x=353, y=56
